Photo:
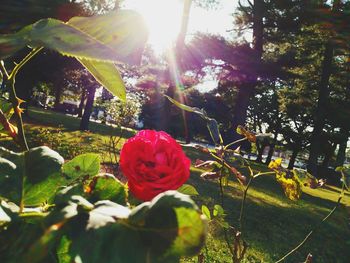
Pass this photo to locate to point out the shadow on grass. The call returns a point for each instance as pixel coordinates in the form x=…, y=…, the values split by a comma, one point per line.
x=273, y=229
x=70, y=123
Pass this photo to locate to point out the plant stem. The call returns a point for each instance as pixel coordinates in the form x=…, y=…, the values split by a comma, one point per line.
x=31, y=54
x=313, y=230
x=15, y=100
x=243, y=204
x=15, y=104
x=4, y=71
x=222, y=199
x=232, y=143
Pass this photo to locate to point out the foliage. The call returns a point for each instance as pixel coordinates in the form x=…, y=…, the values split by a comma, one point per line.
x=122, y=113
x=163, y=229
x=97, y=49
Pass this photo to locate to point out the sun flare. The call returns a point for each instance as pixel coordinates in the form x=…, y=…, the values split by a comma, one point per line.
x=163, y=19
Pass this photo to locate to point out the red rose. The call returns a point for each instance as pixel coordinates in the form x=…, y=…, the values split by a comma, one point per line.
x=153, y=162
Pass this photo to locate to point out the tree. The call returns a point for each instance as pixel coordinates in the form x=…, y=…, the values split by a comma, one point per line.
x=324, y=89
x=91, y=87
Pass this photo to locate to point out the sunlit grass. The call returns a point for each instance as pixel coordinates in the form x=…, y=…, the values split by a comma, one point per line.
x=273, y=224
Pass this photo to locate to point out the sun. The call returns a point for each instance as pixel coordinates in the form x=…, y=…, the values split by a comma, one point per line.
x=163, y=19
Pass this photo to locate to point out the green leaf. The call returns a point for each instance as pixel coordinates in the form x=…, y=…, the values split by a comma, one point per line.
x=339, y=168
x=107, y=75
x=84, y=165
x=218, y=211
x=178, y=227
x=191, y=233
x=95, y=41
x=107, y=187
x=214, y=131
x=20, y=238
x=113, y=243
x=58, y=36
x=64, y=194
x=206, y=211
x=162, y=230
x=187, y=108
x=123, y=31
x=35, y=173
x=188, y=190
x=212, y=124
x=10, y=44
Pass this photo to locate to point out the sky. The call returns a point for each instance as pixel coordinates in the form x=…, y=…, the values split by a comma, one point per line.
x=163, y=18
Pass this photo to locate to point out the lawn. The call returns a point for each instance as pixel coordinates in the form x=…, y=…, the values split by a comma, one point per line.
x=272, y=224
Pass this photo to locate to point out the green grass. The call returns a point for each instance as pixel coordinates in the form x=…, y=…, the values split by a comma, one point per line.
x=272, y=224
x=55, y=119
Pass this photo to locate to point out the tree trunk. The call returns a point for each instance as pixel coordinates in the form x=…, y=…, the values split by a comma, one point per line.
x=320, y=113
x=258, y=26
x=184, y=25
x=261, y=149
x=270, y=154
x=82, y=103
x=342, y=152
x=180, y=44
x=175, y=70
x=328, y=155
x=84, y=124
x=247, y=90
x=293, y=158
x=58, y=84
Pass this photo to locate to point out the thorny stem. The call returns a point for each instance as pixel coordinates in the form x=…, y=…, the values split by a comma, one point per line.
x=10, y=81
x=24, y=61
x=315, y=228
x=220, y=159
x=15, y=104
